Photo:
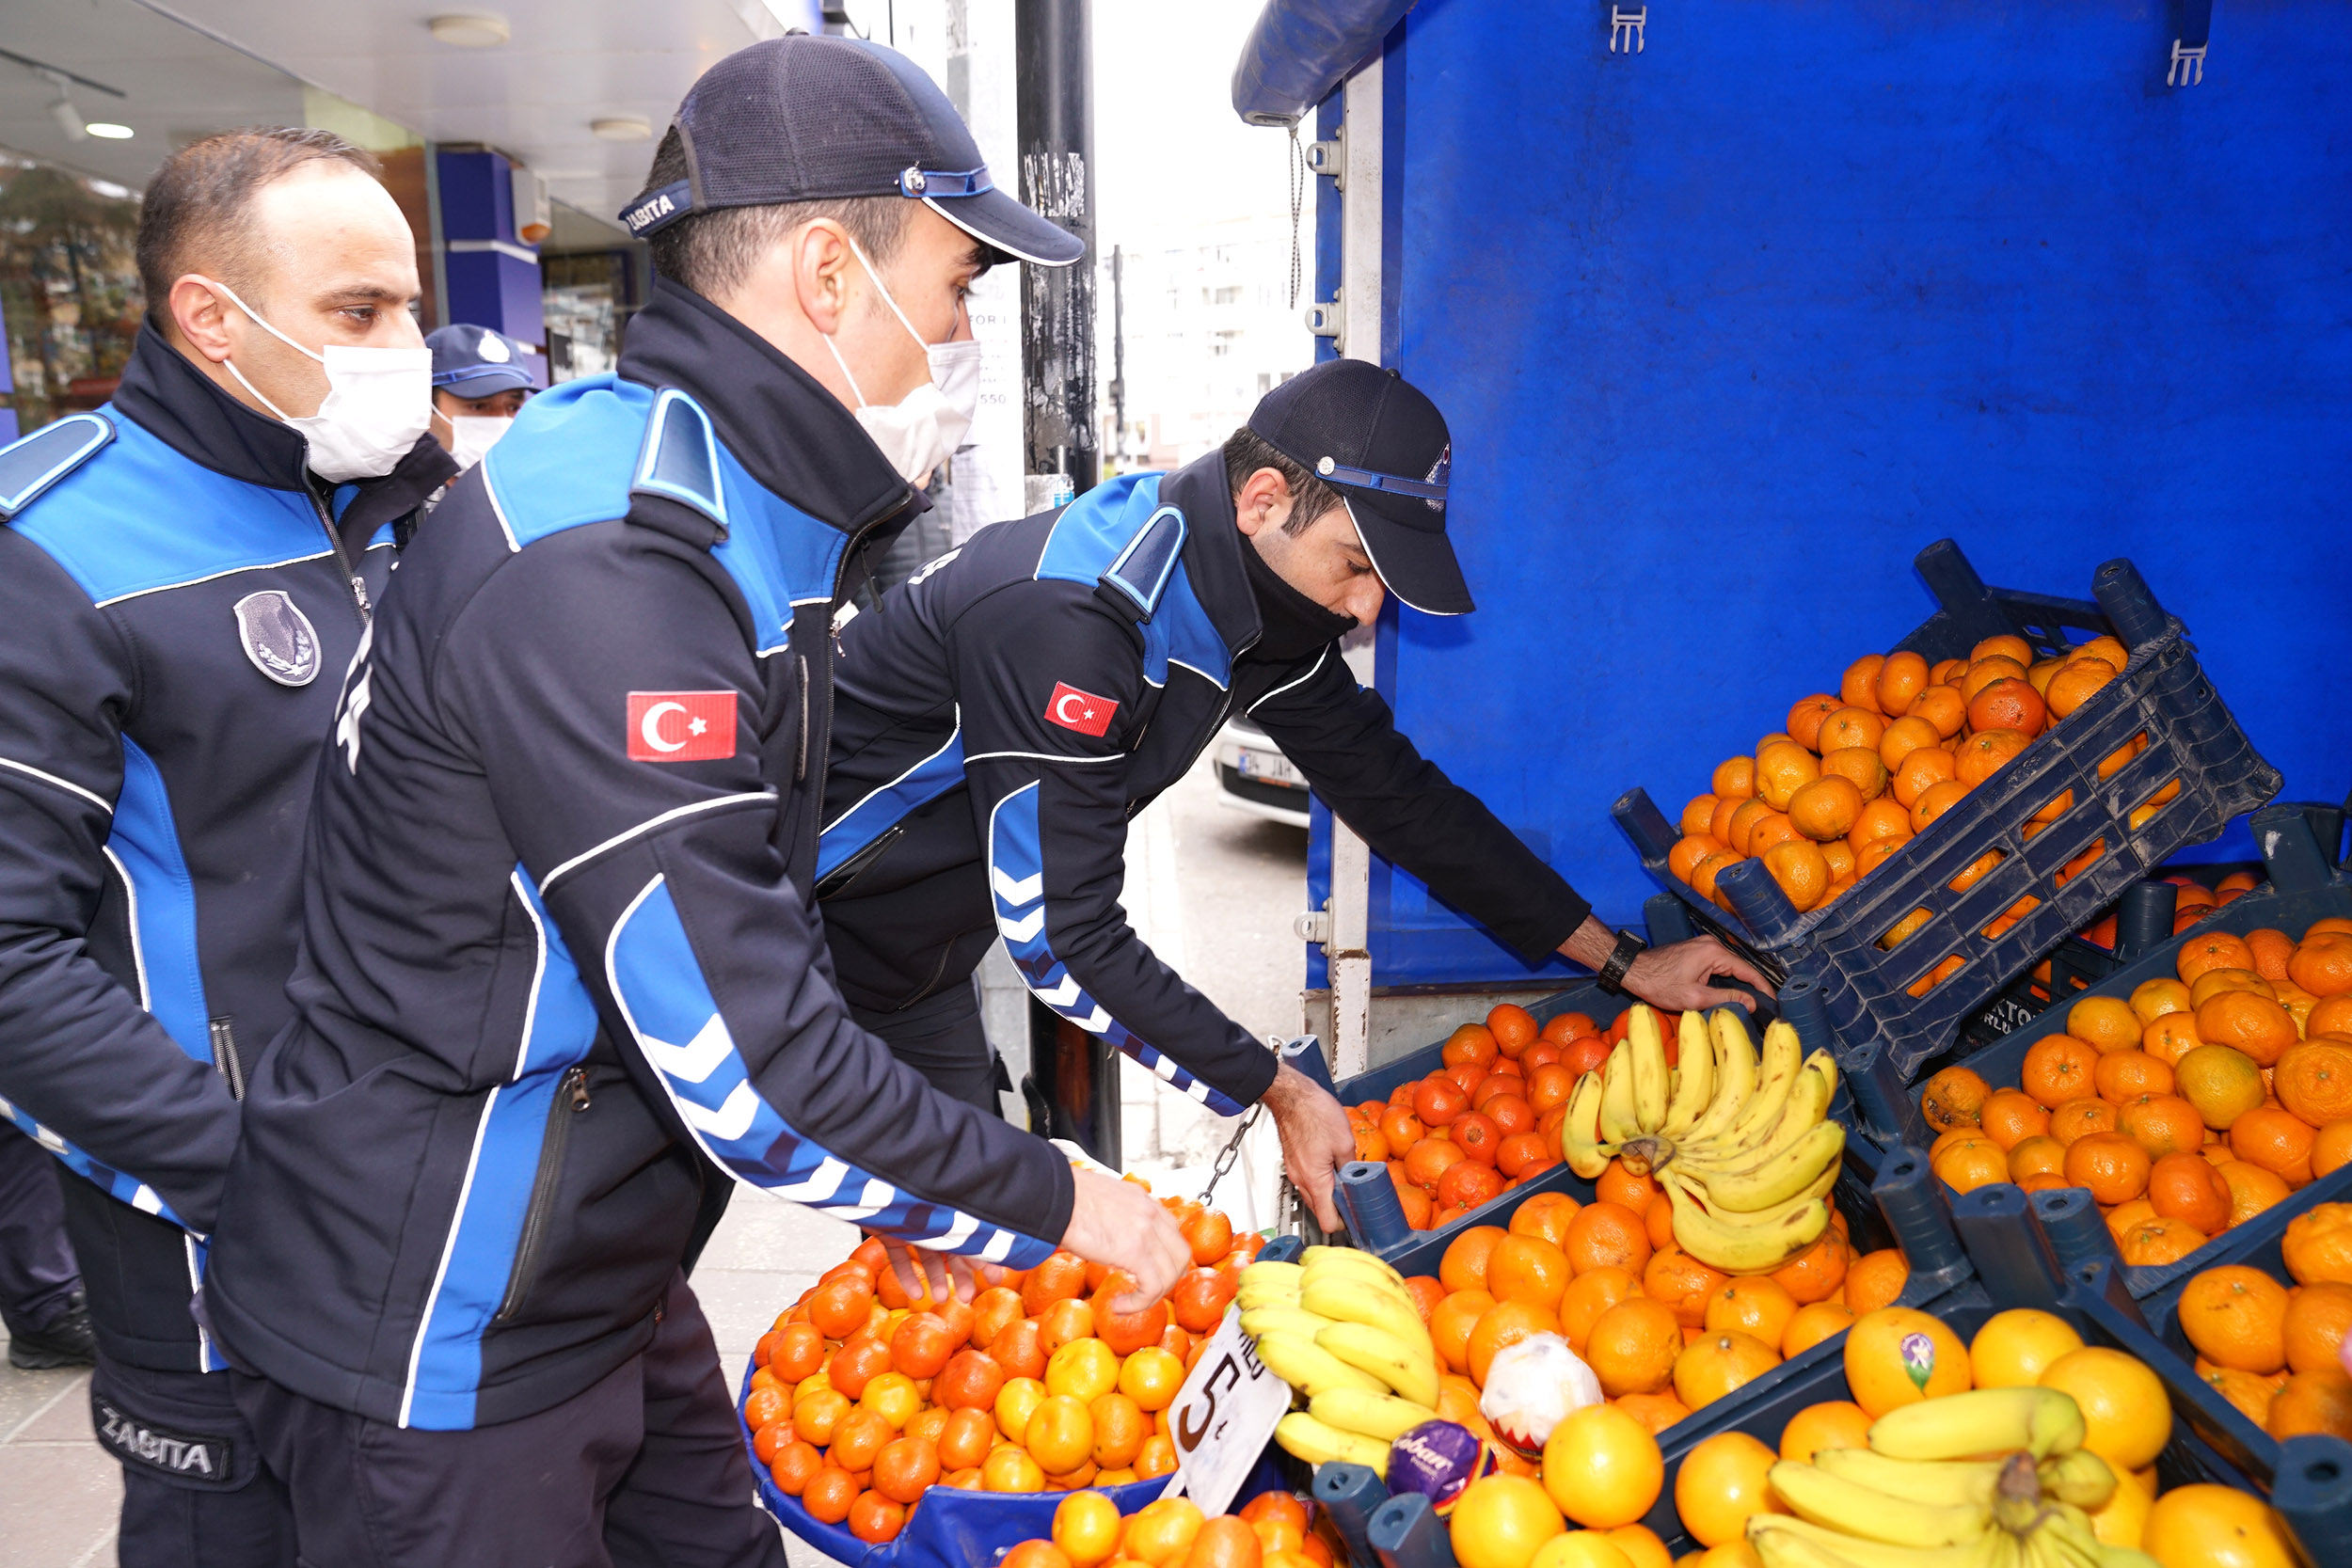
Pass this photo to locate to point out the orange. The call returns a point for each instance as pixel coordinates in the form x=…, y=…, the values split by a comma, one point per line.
x=1720, y=1483
x=1734, y=779
x=1087, y=1528
x=2276, y=1140
x=2152, y=1242
x=1658, y=1220
x=1602, y=1467
x=874, y=1519
x=2037, y=1156
x=2123, y=1076
x=2319, y=1400
x=1683, y=1283
x=1698, y=817
x=2161, y=1124
x=1985, y=672
x=1896, y=1355
x=1547, y=1216
x=2252, y=1189
x=1875, y=1279
x=1607, y=1235
x=1715, y=1364
x=2209, y=950
x=1859, y=687
x=1801, y=871
x=1901, y=676
x=1954, y=1098
x=2317, y=1320
x=1816, y=1274
x=2204, y=1526
x=1632, y=1346
x=2332, y=1015
x=2107, y=1023
x=2013, y=1348
x=2255, y=1024
x=1880, y=819
x=1806, y=719
x=1902, y=737
x=2057, y=1067
x=1770, y=830
x=2171, y=1037
x=2007, y=645
x=2317, y=1245
x=2099, y=647
x=2322, y=963
x=1507, y=1323
x=1831, y=1424
x=2185, y=1187
x=2314, y=1081
x=1920, y=771
x=2332, y=1148
x=1944, y=709
x=1811, y=1324
x=1640, y=1546
x=2153, y=999
x=1499, y=1521
x=1851, y=727
x=2269, y=950
x=1011, y=1468
x=1586, y=1298
x=1464, y=1266
x=2008, y=703
x=1655, y=1411
x=1161, y=1533
x=2236, y=1317
x=1452, y=1320
x=1529, y=1269
x=1826, y=808
x=2012, y=1115
x=1971, y=1163
x=2073, y=1120
x=1986, y=751
x=2251, y=1394
x=2070, y=686
x=1744, y=816
x=2124, y=1403
x=1783, y=767
x=2222, y=1082
x=1761, y=1306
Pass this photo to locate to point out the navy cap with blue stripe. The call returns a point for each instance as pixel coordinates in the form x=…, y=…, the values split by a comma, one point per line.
x=809, y=118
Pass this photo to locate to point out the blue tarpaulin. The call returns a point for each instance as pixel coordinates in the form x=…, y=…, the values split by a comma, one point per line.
x=1300, y=50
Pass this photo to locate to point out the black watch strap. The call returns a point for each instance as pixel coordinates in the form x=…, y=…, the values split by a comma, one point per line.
x=1611, y=977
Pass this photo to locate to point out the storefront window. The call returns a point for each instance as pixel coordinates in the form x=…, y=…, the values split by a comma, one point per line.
x=587, y=297
x=68, y=289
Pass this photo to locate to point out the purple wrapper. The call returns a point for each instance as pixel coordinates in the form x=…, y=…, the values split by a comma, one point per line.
x=1438, y=1459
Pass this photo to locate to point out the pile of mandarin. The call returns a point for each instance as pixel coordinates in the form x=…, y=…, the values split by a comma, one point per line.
x=2276, y=1351
x=1665, y=1334
x=862, y=1397
x=1489, y=1119
x=1270, y=1531
x=2192, y=902
x=1854, y=776
x=2186, y=1109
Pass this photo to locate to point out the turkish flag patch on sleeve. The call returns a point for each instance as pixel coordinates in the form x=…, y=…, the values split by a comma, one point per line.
x=1083, y=711
x=681, y=726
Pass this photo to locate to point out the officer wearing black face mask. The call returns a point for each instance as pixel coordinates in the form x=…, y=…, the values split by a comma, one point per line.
x=999, y=719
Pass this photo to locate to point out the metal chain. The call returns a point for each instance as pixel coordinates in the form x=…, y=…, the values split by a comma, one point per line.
x=1232, y=1145
x=1300, y=179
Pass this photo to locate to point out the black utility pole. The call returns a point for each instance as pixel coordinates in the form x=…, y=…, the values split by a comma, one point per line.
x=1118, y=359
x=1053, y=82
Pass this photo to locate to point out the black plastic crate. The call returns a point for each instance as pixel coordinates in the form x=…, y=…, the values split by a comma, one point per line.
x=2162, y=692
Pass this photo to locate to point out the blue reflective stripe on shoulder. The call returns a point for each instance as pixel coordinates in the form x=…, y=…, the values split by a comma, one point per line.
x=679, y=458
x=874, y=815
x=1119, y=532
x=567, y=460
x=32, y=464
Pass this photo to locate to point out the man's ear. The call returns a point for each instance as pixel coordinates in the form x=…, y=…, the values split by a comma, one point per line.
x=1264, y=502
x=821, y=273
x=200, y=315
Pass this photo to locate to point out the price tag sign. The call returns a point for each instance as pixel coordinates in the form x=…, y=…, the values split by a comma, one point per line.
x=1223, y=1418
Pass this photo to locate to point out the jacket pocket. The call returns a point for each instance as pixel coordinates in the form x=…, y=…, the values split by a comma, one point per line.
x=571, y=1098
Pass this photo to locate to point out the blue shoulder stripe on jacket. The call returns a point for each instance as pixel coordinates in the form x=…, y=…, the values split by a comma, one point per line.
x=31, y=464
x=1120, y=534
x=872, y=816
x=102, y=524
x=579, y=451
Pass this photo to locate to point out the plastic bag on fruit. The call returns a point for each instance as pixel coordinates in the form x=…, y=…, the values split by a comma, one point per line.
x=1532, y=1387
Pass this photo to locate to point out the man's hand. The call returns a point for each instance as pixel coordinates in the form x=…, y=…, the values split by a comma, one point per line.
x=1678, y=978
x=923, y=1273
x=1315, y=1139
x=1118, y=1222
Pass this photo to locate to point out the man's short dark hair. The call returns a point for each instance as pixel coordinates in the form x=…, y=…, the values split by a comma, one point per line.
x=713, y=252
x=1246, y=452
x=202, y=197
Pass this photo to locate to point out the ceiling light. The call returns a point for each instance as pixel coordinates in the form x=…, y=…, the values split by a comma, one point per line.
x=69, y=118
x=109, y=130
x=621, y=128
x=470, y=32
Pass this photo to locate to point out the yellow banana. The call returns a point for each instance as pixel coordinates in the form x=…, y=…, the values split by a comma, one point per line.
x=1346, y=1300
x=1776, y=1077
x=1927, y=1480
x=1410, y=1368
x=1795, y=1170
x=1619, y=1121
x=1783, y=1541
x=1379, y=1416
x=1258, y=1322
x=2043, y=1421
x=1345, y=1257
x=1321, y=1443
x=1265, y=1293
x=1579, y=1130
x=1808, y=1104
x=1309, y=1367
x=2081, y=1478
x=1854, y=1509
x=1694, y=1077
x=1286, y=1275
x=1735, y=1073
x=1744, y=1248
x=1645, y=1043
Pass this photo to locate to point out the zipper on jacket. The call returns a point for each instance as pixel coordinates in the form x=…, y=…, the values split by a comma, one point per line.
x=571, y=1098
x=224, y=1035
x=342, y=557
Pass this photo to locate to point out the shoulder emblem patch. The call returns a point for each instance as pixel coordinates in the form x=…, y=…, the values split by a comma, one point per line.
x=32, y=464
x=1083, y=711
x=278, y=637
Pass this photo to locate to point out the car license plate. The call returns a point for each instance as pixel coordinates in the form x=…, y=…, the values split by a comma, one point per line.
x=1269, y=767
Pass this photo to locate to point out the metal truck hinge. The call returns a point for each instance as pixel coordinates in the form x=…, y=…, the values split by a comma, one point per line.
x=1329, y=159
x=1328, y=319
x=1625, y=30
x=1315, y=926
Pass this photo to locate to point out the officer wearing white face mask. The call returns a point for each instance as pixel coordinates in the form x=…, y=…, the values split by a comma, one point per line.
x=481, y=379
x=184, y=574
x=563, y=985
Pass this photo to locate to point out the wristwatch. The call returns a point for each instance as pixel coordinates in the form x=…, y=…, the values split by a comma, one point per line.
x=1611, y=977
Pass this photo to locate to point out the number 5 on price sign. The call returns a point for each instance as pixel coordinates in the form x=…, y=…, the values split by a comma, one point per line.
x=1223, y=1418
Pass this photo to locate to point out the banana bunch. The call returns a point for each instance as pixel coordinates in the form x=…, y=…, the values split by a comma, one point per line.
x=1339, y=1327
x=1919, y=1497
x=1742, y=1144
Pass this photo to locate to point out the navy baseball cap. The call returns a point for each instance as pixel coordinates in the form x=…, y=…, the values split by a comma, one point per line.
x=474, y=361
x=808, y=118
x=1378, y=439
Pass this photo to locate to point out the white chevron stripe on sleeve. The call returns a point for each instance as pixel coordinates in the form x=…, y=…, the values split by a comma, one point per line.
x=1024, y=928
x=730, y=1120
x=999, y=1247
x=818, y=1185
x=1019, y=891
x=694, y=1061
x=1064, y=995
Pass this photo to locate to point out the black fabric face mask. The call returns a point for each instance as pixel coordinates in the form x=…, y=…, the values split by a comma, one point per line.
x=1293, y=625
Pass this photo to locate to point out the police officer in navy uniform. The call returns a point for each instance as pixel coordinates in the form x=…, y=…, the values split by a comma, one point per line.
x=184, y=574
x=481, y=379
x=1002, y=716
x=562, y=975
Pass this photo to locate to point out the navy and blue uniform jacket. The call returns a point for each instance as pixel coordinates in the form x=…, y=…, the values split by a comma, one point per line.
x=177, y=598
x=1001, y=715
x=560, y=963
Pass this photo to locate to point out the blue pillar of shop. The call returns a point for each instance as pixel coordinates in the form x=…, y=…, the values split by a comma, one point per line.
x=493, y=276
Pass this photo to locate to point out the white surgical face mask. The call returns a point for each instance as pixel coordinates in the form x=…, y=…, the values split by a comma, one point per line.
x=378, y=404
x=923, y=429
x=473, y=435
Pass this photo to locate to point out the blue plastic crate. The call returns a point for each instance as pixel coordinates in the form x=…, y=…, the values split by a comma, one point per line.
x=2162, y=692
